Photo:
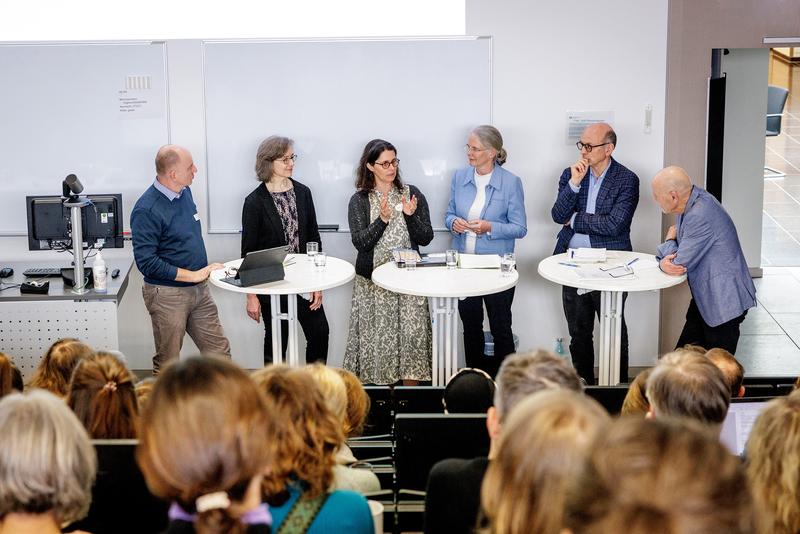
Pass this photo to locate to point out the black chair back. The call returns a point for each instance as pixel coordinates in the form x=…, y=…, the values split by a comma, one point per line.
x=418, y=399
x=381, y=411
x=611, y=397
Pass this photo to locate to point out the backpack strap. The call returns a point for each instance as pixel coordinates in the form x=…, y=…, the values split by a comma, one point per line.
x=302, y=514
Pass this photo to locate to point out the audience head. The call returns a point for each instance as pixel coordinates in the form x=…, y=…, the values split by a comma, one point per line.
x=55, y=369
x=489, y=138
x=307, y=434
x=205, y=440
x=773, y=465
x=542, y=446
x=469, y=391
x=102, y=395
x=271, y=149
x=333, y=389
x=687, y=385
x=143, y=389
x=365, y=175
x=731, y=369
x=358, y=404
x=47, y=464
x=636, y=399
x=658, y=477
x=8, y=376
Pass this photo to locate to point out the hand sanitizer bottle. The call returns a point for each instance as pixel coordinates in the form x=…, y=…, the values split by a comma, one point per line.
x=99, y=273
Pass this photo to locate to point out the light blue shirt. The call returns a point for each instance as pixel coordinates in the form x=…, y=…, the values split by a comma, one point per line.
x=582, y=240
x=166, y=191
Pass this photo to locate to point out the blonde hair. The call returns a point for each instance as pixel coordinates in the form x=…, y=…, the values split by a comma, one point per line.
x=6, y=375
x=143, y=389
x=542, y=445
x=55, y=369
x=206, y=430
x=773, y=465
x=101, y=395
x=358, y=404
x=659, y=476
x=333, y=389
x=47, y=463
x=636, y=398
x=732, y=370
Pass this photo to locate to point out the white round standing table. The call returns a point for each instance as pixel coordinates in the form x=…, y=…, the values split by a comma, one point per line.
x=443, y=287
x=301, y=277
x=611, y=291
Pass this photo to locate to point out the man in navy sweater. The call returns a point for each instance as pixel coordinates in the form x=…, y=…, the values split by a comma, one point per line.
x=169, y=251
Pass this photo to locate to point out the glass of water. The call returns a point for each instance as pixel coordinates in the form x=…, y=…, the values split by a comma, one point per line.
x=320, y=259
x=411, y=264
x=451, y=258
x=507, y=264
x=312, y=248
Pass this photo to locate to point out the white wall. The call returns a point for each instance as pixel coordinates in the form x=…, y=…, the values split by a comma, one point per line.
x=743, y=149
x=550, y=57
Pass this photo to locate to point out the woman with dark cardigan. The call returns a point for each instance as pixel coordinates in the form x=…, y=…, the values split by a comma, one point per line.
x=390, y=334
x=280, y=211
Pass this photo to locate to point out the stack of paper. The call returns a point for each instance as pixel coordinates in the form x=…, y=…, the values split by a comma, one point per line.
x=479, y=261
x=587, y=255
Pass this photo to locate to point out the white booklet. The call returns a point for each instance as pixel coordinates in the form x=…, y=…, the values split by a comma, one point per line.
x=479, y=261
x=587, y=255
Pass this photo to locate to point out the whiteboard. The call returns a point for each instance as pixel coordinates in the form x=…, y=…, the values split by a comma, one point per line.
x=97, y=110
x=332, y=97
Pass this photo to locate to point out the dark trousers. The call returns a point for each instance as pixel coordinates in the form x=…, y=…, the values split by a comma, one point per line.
x=697, y=332
x=314, y=325
x=580, y=311
x=498, y=308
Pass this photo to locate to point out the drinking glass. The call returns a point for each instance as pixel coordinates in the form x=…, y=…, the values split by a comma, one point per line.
x=411, y=264
x=320, y=259
x=451, y=258
x=507, y=263
x=312, y=248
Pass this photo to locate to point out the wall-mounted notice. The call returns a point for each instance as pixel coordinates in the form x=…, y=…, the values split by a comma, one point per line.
x=578, y=120
x=136, y=98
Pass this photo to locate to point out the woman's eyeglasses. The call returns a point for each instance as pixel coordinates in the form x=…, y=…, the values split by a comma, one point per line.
x=287, y=159
x=386, y=164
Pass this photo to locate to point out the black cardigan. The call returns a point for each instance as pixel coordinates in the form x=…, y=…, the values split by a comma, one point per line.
x=262, y=226
x=365, y=233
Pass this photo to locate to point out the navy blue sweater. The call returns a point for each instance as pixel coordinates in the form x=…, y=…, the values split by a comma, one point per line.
x=166, y=235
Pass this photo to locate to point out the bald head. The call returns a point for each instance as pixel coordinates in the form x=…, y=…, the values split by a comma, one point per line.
x=175, y=167
x=671, y=189
x=601, y=131
x=168, y=157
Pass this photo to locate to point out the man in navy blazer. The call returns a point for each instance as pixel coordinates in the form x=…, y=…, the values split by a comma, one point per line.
x=704, y=245
x=596, y=200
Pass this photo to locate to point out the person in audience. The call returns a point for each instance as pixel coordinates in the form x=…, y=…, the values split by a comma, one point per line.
x=7, y=377
x=280, y=212
x=773, y=465
x=704, y=246
x=55, y=369
x=636, y=399
x=541, y=448
x=469, y=391
x=170, y=253
x=307, y=436
x=101, y=393
x=347, y=474
x=47, y=464
x=731, y=369
x=358, y=404
x=453, y=494
x=658, y=477
x=389, y=338
x=16, y=379
x=597, y=197
x=143, y=389
x=205, y=441
x=687, y=385
x=486, y=215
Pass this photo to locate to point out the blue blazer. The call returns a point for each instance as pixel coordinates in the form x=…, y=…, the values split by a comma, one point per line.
x=610, y=224
x=504, y=208
x=708, y=246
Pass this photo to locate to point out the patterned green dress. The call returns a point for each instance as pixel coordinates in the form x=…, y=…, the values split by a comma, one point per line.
x=390, y=334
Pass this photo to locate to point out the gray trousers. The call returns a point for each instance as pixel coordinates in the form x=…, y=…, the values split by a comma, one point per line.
x=175, y=311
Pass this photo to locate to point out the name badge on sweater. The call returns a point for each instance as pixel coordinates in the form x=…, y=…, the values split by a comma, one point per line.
x=196, y=217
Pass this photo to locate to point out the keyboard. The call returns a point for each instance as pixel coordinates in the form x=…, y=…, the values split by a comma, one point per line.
x=38, y=272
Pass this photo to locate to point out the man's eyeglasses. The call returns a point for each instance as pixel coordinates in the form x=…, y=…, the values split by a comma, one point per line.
x=588, y=147
x=473, y=149
x=288, y=159
x=386, y=164
x=231, y=272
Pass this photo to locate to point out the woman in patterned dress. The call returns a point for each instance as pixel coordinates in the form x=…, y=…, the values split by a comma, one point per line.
x=280, y=211
x=390, y=334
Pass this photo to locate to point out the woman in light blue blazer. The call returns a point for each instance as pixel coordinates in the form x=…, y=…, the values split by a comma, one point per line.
x=485, y=215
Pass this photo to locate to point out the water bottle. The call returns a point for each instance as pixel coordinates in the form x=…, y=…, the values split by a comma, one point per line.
x=99, y=273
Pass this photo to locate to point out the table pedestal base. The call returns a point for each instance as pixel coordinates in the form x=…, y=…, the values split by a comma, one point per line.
x=444, y=340
x=292, y=353
x=610, y=337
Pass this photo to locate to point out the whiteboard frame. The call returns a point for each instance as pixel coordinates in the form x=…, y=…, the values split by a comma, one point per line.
x=204, y=42
x=131, y=42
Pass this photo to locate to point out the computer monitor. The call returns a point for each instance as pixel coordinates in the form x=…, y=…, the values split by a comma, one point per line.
x=50, y=224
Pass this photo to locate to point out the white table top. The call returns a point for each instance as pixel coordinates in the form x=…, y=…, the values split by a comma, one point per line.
x=301, y=277
x=646, y=279
x=442, y=282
